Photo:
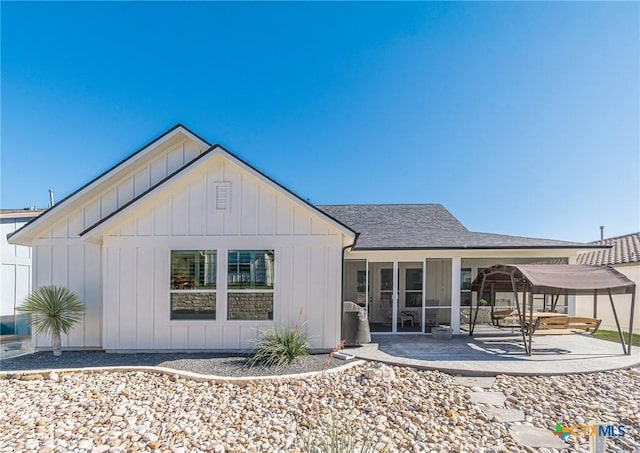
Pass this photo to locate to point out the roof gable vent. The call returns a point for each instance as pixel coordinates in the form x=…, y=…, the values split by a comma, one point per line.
x=223, y=196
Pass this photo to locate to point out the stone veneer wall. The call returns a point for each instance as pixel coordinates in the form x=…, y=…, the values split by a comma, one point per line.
x=193, y=302
x=250, y=306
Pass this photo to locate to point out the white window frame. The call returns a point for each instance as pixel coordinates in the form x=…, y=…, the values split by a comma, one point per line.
x=194, y=291
x=230, y=290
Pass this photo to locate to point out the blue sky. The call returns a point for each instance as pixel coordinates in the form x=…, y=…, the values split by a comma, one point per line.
x=520, y=118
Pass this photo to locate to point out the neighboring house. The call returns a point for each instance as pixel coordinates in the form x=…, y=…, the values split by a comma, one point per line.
x=15, y=273
x=184, y=246
x=624, y=256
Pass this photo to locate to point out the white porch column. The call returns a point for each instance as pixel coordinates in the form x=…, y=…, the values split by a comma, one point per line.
x=571, y=300
x=395, y=298
x=456, y=267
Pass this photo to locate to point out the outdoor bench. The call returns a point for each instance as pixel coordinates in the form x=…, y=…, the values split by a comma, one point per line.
x=565, y=325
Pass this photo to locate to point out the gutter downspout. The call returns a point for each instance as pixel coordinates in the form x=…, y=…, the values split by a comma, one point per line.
x=344, y=249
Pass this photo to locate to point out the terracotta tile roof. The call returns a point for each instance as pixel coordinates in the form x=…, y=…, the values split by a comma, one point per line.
x=20, y=213
x=626, y=249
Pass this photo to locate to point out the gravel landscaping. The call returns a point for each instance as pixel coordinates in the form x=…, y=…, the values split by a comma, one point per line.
x=394, y=409
x=202, y=363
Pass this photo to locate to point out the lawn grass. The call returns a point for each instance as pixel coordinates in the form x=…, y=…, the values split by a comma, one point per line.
x=612, y=335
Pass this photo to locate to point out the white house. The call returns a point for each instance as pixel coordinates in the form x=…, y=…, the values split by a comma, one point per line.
x=15, y=271
x=184, y=246
x=624, y=256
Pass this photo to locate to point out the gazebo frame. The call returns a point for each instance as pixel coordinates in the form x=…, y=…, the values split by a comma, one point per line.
x=553, y=280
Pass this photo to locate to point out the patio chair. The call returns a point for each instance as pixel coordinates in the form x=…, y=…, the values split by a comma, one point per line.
x=407, y=316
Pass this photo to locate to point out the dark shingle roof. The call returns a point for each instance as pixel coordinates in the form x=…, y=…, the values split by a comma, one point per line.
x=626, y=249
x=424, y=226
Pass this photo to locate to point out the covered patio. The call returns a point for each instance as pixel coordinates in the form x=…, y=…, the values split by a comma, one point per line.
x=552, y=281
x=492, y=351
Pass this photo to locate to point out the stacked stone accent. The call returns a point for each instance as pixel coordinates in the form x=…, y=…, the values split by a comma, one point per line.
x=193, y=303
x=250, y=306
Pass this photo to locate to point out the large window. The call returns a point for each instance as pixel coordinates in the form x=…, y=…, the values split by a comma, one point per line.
x=193, y=284
x=250, y=285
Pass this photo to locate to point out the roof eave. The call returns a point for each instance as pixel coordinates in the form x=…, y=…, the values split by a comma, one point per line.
x=545, y=247
x=95, y=231
x=21, y=236
x=346, y=229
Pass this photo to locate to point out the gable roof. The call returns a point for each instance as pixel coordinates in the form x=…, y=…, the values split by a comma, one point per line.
x=113, y=217
x=426, y=226
x=63, y=204
x=625, y=249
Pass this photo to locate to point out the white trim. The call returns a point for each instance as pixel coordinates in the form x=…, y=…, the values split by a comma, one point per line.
x=395, y=298
x=424, y=297
x=103, y=292
x=192, y=291
x=456, y=267
x=112, y=222
x=254, y=291
x=271, y=291
x=314, y=211
x=127, y=162
x=196, y=291
x=366, y=288
x=418, y=255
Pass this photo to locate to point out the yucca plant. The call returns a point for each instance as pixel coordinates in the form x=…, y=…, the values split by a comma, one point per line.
x=280, y=346
x=54, y=310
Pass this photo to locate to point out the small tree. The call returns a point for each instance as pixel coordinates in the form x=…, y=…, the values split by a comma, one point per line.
x=54, y=310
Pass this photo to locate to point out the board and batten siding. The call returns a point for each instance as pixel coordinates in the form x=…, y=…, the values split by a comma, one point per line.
x=15, y=270
x=61, y=257
x=75, y=266
x=136, y=260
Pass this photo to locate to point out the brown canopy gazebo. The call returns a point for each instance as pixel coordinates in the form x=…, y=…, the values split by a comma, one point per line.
x=554, y=280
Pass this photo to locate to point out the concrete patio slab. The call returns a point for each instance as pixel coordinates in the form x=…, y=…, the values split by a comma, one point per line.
x=492, y=352
x=530, y=436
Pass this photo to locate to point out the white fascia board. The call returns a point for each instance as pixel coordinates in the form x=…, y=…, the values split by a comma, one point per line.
x=194, y=137
x=95, y=233
x=26, y=234
x=420, y=254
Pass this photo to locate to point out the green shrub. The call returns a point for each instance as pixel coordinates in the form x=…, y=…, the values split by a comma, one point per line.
x=280, y=346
